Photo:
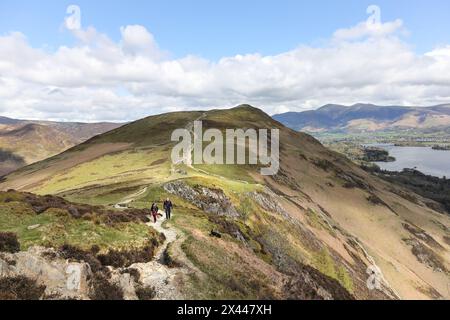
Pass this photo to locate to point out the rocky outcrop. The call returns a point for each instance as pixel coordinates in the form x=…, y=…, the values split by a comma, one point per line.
x=126, y=282
x=70, y=279
x=62, y=279
x=267, y=200
x=310, y=284
x=427, y=256
x=209, y=200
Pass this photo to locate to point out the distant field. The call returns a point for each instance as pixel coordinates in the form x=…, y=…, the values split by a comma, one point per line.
x=394, y=137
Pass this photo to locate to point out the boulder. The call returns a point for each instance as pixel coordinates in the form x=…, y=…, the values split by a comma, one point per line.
x=63, y=279
x=126, y=282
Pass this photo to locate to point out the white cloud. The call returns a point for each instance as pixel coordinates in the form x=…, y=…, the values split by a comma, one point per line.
x=99, y=79
x=370, y=29
x=137, y=40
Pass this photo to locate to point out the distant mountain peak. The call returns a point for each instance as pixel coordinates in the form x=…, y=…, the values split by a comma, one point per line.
x=6, y=120
x=367, y=116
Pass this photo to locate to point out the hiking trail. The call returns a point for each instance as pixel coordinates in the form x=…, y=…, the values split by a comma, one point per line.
x=127, y=200
x=188, y=159
x=156, y=273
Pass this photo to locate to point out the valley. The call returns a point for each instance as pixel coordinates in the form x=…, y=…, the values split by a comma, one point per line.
x=23, y=142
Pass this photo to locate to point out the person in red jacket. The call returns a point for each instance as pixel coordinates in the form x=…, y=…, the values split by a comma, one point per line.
x=154, y=209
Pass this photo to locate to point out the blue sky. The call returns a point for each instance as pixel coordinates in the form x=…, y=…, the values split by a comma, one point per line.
x=213, y=29
x=133, y=58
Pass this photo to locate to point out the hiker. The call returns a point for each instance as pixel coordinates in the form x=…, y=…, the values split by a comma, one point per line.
x=168, y=208
x=154, y=209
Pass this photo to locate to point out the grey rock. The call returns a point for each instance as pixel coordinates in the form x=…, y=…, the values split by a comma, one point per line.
x=126, y=282
x=61, y=278
x=267, y=200
x=209, y=200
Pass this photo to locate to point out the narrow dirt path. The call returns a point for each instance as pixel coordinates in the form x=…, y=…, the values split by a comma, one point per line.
x=158, y=275
x=127, y=200
x=188, y=160
x=155, y=273
x=190, y=127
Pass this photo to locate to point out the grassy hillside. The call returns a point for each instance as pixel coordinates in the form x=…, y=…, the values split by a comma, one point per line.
x=54, y=222
x=309, y=232
x=31, y=141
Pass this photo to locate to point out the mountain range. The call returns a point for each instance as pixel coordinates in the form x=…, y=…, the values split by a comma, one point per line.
x=367, y=118
x=321, y=228
x=24, y=142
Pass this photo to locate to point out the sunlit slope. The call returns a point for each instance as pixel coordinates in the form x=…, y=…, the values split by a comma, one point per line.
x=124, y=154
x=133, y=153
x=24, y=142
x=319, y=211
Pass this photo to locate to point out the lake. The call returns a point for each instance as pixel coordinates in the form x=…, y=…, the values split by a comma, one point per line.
x=424, y=159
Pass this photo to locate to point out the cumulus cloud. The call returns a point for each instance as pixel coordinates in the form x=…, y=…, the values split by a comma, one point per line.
x=137, y=40
x=99, y=79
x=370, y=29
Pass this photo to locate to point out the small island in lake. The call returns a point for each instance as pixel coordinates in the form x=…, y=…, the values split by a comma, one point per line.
x=372, y=154
x=440, y=147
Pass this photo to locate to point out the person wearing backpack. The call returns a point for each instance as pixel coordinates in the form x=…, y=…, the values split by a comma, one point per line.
x=154, y=209
x=168, y=206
